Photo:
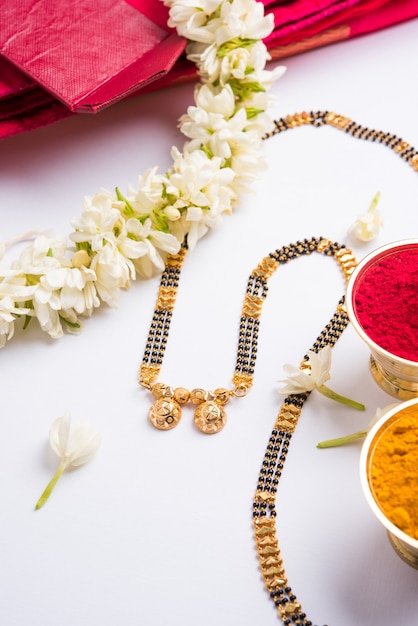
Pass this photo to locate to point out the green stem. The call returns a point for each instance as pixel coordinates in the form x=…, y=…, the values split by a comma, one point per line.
x=374, y=202
x=341, y=441
x=48, y=489
x=329, y=393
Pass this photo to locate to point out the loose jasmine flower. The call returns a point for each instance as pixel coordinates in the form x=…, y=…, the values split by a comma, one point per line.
x=74, y=445
x=368, y=225
x=313, y=374
x=359, y=434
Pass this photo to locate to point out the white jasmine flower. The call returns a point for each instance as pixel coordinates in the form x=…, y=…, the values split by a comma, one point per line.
x=213, y=100
x=75, y=287
x=197, y=178
x=190, y=17
x=113, y=272
x=313, y=374
x=360, y=434
x=236, y=63
x=100, y=221
x=172, y=214
x=148, y=196
x=368, y=225
x=48, y=317
x=74, y=445
x=8, y=313
x=303, y=380
x=204, y=193
x=216, y=133
x=45, y=253
x=247, y=161
x=4, y=246
x=154, y=242
x=182, y=11
x=243, y=19
x=196, y=222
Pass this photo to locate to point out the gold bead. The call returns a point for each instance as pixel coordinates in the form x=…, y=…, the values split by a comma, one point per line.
x=160, y=390
x=181, y=395
x=198, y=395
x=414, y=162
x=222, y=395
x=401, y=146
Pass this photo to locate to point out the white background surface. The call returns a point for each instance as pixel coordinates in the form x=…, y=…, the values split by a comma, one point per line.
x=157, y=529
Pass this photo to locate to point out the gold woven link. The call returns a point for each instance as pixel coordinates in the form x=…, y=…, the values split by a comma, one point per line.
x=338, y=121
x=166, y=298
x=298, y=119
x=252, y=306
x=347, y=261
x=288, y=417
x=266, y=267
x=268, y=550
x=176, y=260
x=148, y=374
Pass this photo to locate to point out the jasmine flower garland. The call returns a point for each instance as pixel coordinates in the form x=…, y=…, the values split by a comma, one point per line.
x=120, y=236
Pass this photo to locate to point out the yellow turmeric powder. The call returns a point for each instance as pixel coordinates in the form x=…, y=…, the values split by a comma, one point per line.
x=393, y=475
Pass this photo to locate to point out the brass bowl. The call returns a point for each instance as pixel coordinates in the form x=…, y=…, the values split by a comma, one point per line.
x=395, y=375
x=405, y=546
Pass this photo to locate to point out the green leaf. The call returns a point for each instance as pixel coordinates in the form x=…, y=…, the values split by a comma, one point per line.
x=233, y=44
x=74, y=325
x=129, y=212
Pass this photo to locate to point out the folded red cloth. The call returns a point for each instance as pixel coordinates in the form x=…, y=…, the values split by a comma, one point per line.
x=61, y=58
x=306, y=24
x=87, y=54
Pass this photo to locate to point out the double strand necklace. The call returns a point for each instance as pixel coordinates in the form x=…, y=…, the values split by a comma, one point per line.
x=209, y=415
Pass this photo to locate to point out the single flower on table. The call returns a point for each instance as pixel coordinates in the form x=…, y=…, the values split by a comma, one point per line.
x=74, y=444
x=313, y=374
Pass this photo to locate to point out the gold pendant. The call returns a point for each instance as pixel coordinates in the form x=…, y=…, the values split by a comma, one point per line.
x=165, y=414
x=210, y=417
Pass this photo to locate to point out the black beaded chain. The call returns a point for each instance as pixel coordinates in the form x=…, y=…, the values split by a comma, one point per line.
x=264, y=504
x=163, y=313
x=210, y=416
x=321, y=118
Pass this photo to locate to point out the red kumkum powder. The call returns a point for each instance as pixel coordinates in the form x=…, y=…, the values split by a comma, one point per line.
x=385, y=302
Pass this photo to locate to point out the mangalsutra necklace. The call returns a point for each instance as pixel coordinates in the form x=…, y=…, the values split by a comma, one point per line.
x=210, y=415
x=166, y=411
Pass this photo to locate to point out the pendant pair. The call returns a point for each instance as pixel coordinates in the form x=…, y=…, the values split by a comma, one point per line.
x=209, y=417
